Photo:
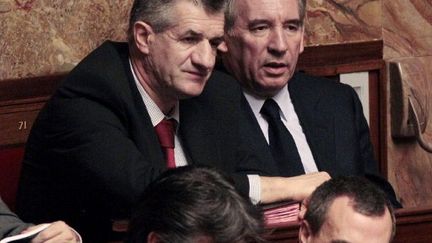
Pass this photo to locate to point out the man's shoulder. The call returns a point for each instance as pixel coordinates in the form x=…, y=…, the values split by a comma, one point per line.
x=303, y=81
x=105, y=59
x=308, y=79
x=222, y=79
x=222, y=84
x=222, y=93
x=104, y=72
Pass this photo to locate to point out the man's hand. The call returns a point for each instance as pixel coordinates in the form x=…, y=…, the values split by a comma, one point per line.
x=295, y=188
x=58, y=231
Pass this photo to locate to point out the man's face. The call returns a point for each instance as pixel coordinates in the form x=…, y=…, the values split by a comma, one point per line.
x=182, y=57
x=344, y=225
x=264, y=44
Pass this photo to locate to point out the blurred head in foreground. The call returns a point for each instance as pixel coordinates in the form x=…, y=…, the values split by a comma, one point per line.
x=194, y=204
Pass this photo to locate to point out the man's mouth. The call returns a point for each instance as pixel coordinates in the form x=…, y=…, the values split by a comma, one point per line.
x=275, y=68
x=197, y=74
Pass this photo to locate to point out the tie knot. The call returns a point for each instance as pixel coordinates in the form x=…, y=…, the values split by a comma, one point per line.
x=165, y=131
x=270, y=109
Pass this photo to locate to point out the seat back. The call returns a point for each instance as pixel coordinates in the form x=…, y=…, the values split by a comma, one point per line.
x=10, y=168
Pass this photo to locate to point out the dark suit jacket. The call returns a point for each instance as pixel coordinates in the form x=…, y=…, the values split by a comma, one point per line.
x=10, y=224
x=336, y=130
x=93, y=149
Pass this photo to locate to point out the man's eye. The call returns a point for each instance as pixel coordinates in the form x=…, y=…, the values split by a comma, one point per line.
x=190, y=40
x=292, y=27
x=258, y=28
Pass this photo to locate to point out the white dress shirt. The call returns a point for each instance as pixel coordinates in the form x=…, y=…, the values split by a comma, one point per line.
x=290, y=120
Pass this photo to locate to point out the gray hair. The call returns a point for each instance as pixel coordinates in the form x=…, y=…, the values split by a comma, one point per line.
x=158, y=13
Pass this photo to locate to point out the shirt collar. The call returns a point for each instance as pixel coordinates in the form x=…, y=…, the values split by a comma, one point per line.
x=155, y=113
x=282, y=97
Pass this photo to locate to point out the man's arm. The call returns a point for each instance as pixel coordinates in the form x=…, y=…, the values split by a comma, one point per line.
x=295, y=188
x=11, y=225
x=89, y=143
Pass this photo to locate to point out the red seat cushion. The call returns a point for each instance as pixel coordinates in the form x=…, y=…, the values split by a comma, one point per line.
x=10, y=167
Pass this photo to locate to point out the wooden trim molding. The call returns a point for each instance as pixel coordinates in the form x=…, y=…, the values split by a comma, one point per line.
x=26, y=90
x=324, y=55
x=20, y=103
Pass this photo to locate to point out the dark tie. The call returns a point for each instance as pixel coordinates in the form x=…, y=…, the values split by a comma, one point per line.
x=165, y=131
x=282, y=145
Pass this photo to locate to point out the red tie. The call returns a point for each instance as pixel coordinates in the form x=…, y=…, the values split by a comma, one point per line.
x=165, y=132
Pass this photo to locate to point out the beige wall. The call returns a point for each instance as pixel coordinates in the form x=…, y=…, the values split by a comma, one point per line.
x=338, y=21
x=42, y=37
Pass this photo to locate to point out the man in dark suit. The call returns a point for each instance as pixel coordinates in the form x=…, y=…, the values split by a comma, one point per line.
x=323, y=119
x=94, y=147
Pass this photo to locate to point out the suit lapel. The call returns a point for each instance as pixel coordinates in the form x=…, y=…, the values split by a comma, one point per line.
x=252, y=134
x=318, y=125
x=144, y=136
x=148, y=142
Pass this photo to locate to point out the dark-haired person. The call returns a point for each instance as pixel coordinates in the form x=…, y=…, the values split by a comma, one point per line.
x=194, y=205
x=348, y=209
x=101, y=139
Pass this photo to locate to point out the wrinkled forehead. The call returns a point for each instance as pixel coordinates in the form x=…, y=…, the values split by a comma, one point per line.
x=343, y=224
x=191, y=18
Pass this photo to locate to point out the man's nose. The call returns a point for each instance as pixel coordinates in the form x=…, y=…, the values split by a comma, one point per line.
x=278, y=43
x=204, y=56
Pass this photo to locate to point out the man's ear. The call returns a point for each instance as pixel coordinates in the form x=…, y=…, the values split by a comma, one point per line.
x=153, y=238
x=302, y=42
x=222, y=47
x=143, y=34
x=304, y=232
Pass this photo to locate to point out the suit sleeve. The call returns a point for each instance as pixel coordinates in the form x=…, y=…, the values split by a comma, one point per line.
x=219, y=108
x=10, y=224
x=105, y=153
x=84, y=151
